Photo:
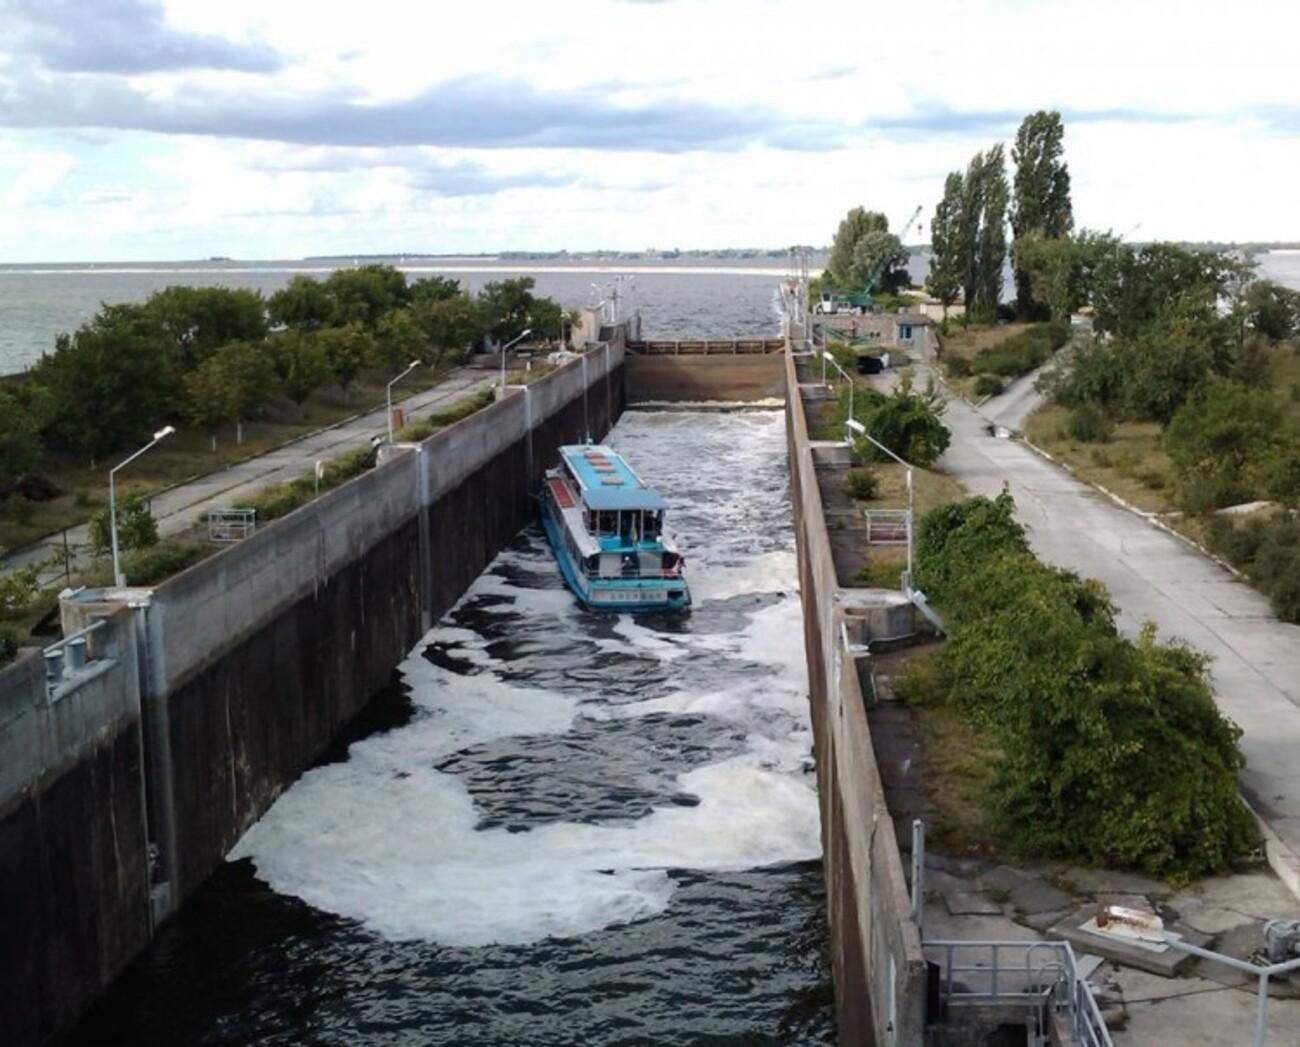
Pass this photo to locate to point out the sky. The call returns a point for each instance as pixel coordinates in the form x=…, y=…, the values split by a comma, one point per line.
x=136, y=130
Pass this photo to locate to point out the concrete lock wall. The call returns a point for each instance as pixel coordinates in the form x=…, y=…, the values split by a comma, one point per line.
x=222, y=685
x=74, y=867
x=703, y=378
x=876, y=954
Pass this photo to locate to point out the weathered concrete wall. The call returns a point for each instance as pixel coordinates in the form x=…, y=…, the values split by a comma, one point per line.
x=697, y=378
x=74, y=862
x=228, y=680
x=876, y=949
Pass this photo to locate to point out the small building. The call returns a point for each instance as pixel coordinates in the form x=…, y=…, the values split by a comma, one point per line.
x=909, y=328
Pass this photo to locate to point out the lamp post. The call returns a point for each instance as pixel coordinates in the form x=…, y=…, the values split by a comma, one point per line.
x=857, y=427
x=119, y=579
x=414, y=365
x=521, y=336
x=827, y=358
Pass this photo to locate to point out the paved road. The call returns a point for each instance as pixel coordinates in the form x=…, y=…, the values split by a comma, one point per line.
x=181, y=507
x=1154, y=576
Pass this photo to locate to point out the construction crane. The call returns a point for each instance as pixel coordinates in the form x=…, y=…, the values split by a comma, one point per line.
x=902, y=229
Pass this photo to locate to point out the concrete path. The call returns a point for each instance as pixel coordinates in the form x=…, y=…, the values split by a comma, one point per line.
x=185, y=505
x=1154, y=576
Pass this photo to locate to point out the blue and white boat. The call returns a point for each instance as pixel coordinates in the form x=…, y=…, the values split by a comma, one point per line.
x=607, y=530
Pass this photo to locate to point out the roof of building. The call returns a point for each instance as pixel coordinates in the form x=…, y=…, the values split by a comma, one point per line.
x=607, y=482
x=915, y=319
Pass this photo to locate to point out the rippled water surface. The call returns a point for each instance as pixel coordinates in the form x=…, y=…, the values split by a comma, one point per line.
x=563, y=828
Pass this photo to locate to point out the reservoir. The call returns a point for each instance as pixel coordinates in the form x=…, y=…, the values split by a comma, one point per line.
x=556, y=827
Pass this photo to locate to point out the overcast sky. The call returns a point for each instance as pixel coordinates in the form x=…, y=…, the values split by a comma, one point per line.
x=138, y=129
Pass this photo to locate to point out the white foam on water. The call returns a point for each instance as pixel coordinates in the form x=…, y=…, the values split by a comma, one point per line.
x=387, y=840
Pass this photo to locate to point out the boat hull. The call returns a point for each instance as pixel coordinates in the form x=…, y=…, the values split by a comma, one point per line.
x=621, y=595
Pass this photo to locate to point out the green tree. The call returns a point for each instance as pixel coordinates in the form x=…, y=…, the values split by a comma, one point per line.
x=110, y=381
x=1041, y=208
x=347, y=350
x=1273, y=310
x=946, y=260
x=20, y=439
x=199, y=319
x=968, y=224
x=434, y=289
x=399, y=339
x=992, y=244
x=1223, y=442
x=212, y=395
x=451, y=325
x=364, y=294
x=300, y=364
x=507, y=306
x=908, y=422
x=303, y=304
x=852, y=228
x=878, y=258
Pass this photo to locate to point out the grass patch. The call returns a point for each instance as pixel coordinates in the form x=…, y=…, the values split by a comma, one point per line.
x=957, y=757
x=1132, y=463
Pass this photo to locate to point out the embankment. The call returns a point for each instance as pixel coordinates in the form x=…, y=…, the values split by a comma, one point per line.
x=128, y=771
x=876, y=948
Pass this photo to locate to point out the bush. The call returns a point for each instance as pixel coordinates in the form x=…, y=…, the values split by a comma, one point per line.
x=276, y=500
x=956, y=366
x=158, y=563
x=10, y=640
x=461, y=409
x=1023, y=351
x=907, y=422
x=1113, y=750
x=136, y=527
x=1089, y=424
x=988, y=385
x=921, y=681
x=861, y=483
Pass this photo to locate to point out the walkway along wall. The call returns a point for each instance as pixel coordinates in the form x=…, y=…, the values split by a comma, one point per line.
x=125, y=782
x=875, y=945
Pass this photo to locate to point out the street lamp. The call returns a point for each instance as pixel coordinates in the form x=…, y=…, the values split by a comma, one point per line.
x=861, y=430
x=522, y=335
x=414, y=365
x=119, y=579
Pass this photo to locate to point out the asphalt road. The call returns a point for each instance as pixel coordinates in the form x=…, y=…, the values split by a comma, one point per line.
x=1154, y=576
x=180, y=508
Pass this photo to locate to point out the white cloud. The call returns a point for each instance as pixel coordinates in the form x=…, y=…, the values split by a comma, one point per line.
x=505, y=125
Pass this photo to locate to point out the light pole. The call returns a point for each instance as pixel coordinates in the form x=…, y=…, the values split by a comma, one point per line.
x=119, y=579
x=861, y=430
x=828, y=358
x=414, y=365
x=521, y=336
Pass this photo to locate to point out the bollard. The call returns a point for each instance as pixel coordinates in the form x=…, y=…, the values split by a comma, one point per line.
x=53, y=667
x=76, y=649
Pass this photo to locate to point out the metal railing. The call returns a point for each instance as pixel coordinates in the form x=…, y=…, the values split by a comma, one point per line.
x=232, y=525
x=888, y=526
x=1044, y=975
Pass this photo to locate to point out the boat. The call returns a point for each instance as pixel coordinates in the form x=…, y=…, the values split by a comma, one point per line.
x=606, y=529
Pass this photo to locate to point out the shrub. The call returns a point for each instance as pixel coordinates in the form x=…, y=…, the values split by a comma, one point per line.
x=461, y=409
x=861, y=483
x=415, y=432
x=907, y=422
x=10, y=640
x=988, y=385
x=1113, y=750
x=276, y=500
x=921, y=681
x=1089, y=424
x=159, y=562
x=136, y=527
x=1285, y=592
x=956, y=366
x=1023, y=351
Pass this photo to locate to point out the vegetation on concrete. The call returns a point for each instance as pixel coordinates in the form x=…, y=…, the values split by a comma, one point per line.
x=214, y=359
x=908, y=421
x=276, y=500
x=1112, y=750
x=861, y=483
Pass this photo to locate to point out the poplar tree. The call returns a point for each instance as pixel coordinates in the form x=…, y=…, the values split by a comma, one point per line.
x=1042, y=206
x=992, y=246
x=972, y=209
x=947, y=263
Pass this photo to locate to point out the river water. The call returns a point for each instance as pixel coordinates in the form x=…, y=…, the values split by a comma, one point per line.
x=562, y=828
x=37, y=303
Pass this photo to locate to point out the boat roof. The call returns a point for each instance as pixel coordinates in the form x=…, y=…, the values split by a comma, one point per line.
x=607, y=482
